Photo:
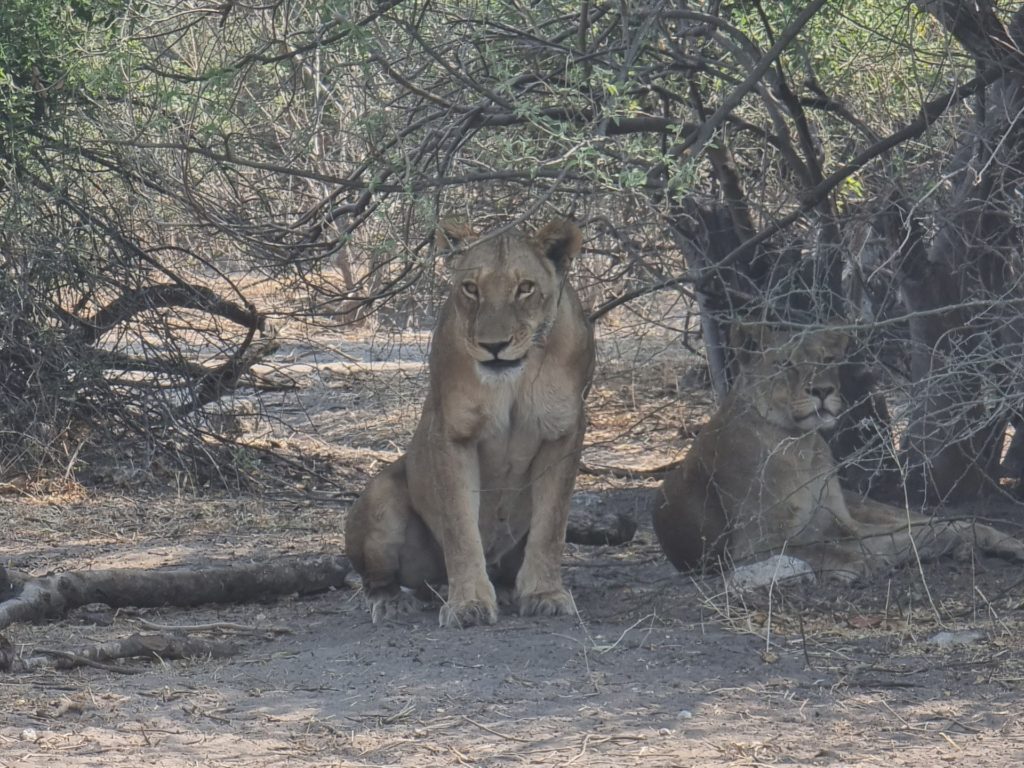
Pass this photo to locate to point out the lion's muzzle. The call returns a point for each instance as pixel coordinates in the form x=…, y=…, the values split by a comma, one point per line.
x=818, y=409
x=498, y=365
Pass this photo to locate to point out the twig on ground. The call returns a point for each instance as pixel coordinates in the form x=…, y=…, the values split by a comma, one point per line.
x=68, y=660
x=98, y=656
x=626, y=631
x=226, y=626
x=487, y=728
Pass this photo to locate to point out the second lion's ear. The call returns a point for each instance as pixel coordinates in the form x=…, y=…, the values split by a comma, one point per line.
x=838, y=341
x=452, y=234
x=751, y=340
x=747, y=339
x=560, y=241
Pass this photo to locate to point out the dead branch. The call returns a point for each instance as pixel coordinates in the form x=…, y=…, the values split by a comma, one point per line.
x=627, y=473
x=628, y=296
x=100, y=655
x=53, y=596
x=171, y=646
x=700, y=139
x=213, y=626
x=224, y=378
x=165, y=296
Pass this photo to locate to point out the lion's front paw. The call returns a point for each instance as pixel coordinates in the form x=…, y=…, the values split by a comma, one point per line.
x=556, y=602
x=466, y=613
x=846, y=574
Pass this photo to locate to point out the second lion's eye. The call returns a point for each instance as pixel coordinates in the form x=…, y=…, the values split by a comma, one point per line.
x=525, y=289
x=469, y=288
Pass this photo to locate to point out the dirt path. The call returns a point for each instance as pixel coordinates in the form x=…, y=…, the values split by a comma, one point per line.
x=656, y=670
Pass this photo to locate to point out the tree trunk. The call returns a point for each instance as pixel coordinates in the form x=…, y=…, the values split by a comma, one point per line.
x=953, y=440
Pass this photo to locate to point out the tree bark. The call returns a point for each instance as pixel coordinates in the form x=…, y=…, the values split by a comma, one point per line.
x=951, y=446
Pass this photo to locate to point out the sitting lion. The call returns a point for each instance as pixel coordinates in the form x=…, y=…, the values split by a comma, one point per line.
x=495, y=455
x=761, y=480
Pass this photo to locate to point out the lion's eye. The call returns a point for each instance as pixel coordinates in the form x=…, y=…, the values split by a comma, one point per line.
x=469, y=288
x=525, y=289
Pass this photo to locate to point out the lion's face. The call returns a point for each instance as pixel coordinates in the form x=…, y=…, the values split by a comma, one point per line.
x=793, y=380
x=505, y=291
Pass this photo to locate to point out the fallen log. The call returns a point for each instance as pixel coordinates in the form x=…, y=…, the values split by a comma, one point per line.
x=52, y=596
x=599, y=519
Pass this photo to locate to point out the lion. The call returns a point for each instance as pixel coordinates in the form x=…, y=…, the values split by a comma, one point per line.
x=761, y=480
x=483, y=489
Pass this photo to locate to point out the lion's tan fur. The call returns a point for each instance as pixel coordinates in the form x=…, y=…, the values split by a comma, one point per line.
x=496, y=451
x=760, y=479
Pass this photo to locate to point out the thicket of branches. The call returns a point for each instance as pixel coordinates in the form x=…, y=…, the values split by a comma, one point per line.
x=792, y=163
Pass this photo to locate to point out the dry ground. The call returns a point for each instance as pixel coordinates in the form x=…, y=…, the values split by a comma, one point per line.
x=658, y=669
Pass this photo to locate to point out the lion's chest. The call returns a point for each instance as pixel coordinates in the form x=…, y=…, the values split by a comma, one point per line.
x=536, y=406
x=520, y=422
x=799, y=483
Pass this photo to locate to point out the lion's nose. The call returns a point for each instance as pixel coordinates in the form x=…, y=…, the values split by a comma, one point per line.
x=821, y=392
x=495, y=347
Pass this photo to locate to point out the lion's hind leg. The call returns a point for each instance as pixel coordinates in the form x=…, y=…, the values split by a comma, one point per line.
x=689, y=520
x=896, y=536
x=991, y=541
x=927, y=539
x=390, y=546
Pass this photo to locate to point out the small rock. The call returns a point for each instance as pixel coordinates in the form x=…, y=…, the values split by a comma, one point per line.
x=684, y=714
x=664, y=732
x=777, y=569
x=29, y=734
x=946, y=639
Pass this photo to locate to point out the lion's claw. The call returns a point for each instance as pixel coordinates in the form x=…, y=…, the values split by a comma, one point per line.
x=552, y=603
x=388, y=605
x=466, y=613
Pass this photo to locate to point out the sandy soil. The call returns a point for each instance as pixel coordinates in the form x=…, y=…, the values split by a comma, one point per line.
x=657, y=669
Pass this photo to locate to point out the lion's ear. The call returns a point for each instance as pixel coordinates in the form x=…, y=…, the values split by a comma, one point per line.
x=839, y=341
x=452, y=234
x=560, y=241
x=747, y=339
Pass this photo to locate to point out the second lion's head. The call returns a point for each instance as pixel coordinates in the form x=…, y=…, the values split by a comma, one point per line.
x=791, y=377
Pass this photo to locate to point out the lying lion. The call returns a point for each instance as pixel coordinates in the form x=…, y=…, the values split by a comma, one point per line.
x=485, y=484
x=761, y=480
